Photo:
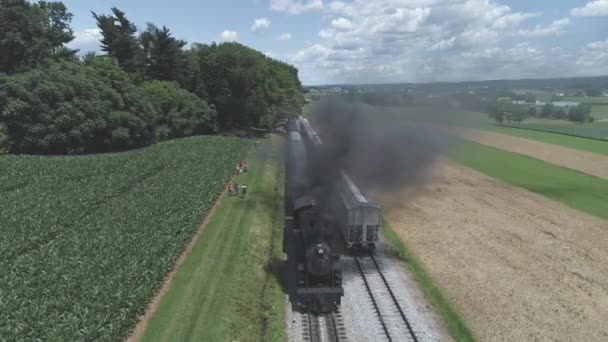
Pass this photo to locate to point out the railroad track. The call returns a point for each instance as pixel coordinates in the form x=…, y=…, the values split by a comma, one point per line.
x=395, y=325
x=326, y=328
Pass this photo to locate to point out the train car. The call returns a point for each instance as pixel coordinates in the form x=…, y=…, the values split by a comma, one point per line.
x=319, y=275
x=357, y=216
x=310, y=135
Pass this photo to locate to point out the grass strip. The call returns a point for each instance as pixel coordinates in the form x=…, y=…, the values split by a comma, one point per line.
x=572, y=188
x=455, y=325
x=228, y=288
x=578, y=143
x=557, y=134
x=258, y=293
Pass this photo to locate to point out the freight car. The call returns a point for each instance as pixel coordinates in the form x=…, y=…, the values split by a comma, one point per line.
x=357, y=217
x=318, y=271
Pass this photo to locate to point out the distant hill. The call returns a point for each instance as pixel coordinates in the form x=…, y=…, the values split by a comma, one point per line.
x=597, y=82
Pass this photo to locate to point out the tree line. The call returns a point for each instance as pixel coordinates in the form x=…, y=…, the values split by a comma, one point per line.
x=504, y=110
x=147, y=87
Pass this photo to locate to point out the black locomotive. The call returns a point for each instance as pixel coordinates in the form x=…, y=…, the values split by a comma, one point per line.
x=319, y=275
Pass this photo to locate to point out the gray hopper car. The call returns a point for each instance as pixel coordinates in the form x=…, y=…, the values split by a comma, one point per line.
x=359, y=218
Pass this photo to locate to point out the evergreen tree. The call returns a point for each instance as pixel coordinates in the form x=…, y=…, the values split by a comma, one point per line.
x=119, y=40
x=163, y=53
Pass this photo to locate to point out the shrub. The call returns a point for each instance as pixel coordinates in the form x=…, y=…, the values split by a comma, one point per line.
x=71, y=108
x=180, y=113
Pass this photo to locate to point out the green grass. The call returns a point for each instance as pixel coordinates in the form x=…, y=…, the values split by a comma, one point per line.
x=535, y=120
x=228, y=289
x=528, y=129
x=584, y=144
x=428, y=114
x=599, y=112
x=572, y=188
x=455, y=325
x=86, y=240
x=586, y=130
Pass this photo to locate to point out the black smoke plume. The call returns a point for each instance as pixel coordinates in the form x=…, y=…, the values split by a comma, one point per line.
x=379, y=156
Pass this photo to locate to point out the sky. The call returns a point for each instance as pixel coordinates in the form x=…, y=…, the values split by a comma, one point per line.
x=385, y=41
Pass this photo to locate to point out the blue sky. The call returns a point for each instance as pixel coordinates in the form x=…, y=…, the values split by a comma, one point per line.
x=376, y=41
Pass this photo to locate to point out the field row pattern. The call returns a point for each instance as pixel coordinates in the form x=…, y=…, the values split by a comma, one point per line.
x=593, y=131
x=86, y=240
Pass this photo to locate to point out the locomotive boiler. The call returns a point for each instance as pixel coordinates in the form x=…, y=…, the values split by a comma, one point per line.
x=318, y=271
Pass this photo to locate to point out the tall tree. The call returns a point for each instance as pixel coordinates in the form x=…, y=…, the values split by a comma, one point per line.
x=22, y=36
x=246, y=87
x=580, y=113
x=547, y=110
x=56, y=23
x=163, y=53
x=119, y=40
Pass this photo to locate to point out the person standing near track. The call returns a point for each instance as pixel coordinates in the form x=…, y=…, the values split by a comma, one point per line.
x=236, y=189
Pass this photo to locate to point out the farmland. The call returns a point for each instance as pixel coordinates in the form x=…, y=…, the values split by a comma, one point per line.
x=571, y=135
x=87, y=240
x=586, y=130
x=421, y=113
x=600, y=112
x=572, y=188
x=515, y=265
x=228, y=288
x=584, y=144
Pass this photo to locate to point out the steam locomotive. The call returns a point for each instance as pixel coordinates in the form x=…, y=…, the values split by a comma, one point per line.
x=357, y=217
x=319, y=274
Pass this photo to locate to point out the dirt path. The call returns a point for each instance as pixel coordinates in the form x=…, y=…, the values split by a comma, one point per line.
x=517, y=266
x=586, y=162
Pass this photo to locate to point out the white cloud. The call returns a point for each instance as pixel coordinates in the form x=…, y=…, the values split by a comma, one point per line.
x=295, y=6
x=595, y=54
x=284, y=36
x=427, y=40
x=595, y=8
x=340, y=7
x=513, y=19
x=342, y=24
x=88, y=40
x=555, y=28
x=229, y=36
x=260, y=24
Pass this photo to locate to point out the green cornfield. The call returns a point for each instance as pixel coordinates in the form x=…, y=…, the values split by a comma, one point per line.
x=86, y=241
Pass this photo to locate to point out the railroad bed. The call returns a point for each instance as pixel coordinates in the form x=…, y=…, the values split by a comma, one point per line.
x=380, y=304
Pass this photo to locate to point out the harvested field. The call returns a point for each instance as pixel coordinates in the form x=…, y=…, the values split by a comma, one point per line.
x=586, y=162
x=519, y=267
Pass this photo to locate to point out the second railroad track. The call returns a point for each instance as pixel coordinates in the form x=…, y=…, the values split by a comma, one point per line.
x=395, y=324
